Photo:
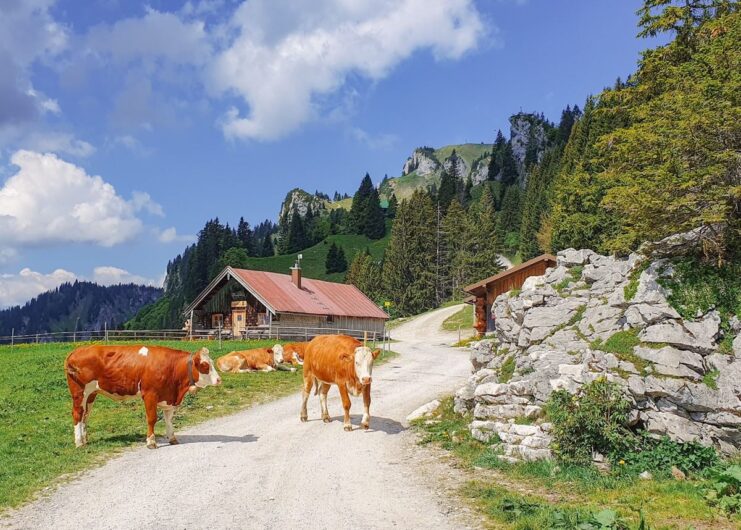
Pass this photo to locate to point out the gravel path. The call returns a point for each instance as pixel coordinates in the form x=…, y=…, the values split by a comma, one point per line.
x=262, y=468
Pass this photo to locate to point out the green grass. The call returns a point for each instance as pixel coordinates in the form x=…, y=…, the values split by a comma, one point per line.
x=710, y=379
x=314, y=258
x=36, y=439
x=535, y=494
x=621, y=344
x=463, y=319
x=507, y=370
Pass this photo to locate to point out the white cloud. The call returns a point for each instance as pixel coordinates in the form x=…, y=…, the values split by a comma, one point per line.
x=108, y=275
x=155, y=35
x=58, y=142
x=170, y=235
x=373, y=141
x=288, y=53
x=18, y=288
x=142, y=201
x=52, y=201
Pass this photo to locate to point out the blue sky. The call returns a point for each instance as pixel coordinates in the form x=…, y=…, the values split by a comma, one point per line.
x=125, y=126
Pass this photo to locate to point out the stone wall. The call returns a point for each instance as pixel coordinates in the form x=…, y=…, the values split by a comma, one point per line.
x=551, y=335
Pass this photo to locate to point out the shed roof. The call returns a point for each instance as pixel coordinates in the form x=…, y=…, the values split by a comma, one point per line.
x=316, y=297
x=480, y=287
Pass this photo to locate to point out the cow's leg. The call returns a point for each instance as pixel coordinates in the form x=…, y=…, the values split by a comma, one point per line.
x=169, y=414
x=265, y=368
x=308, y=385
x=150, y=406
x=86, y=415
x=365, y=422
x=346, y=406
x=77, y=392
x=323, y=402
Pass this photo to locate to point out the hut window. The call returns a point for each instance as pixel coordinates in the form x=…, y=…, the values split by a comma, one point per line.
x=330, y=318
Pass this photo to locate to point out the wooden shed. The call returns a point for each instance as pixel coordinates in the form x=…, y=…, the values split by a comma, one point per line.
x=486, y=291
x=248, y=303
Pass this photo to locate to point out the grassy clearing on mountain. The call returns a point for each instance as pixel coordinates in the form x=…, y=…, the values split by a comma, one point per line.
x=314, y=258
x=36, y=441
x=546, y=494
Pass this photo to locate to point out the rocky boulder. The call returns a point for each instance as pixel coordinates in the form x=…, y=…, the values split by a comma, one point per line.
x=598, y=316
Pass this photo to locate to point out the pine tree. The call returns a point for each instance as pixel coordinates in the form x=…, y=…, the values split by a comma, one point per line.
x=234, y=257
x=294, y=237
x=366, y=215
x=495, y=162
x=393, y=206
x=453, y=260
x=375, y=225
x=483, y=242
x=365, y=274
x=447, y=190
x=267, y=247
x=509, y=166
x=341, y=262
x=466, y=197
x=409, y=264
x=246, y=237
x=508, y=220
x=330, y=263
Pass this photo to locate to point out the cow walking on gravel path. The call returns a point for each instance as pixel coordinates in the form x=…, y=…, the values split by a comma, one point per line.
x=343, y=361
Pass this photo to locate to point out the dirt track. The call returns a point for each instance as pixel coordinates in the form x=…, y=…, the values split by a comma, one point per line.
x=262, y=468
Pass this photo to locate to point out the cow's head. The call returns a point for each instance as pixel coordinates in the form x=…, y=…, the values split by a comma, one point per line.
x=364, y=358
x=277, y=352
x=207, y=374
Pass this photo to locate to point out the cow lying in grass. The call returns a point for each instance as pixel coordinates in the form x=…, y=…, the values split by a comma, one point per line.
x=343, y=361
x=258, y=359
x=161, y=376
x=293, y=352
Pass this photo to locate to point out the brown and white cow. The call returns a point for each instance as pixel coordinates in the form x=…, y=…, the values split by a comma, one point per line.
x=293, y=352
x=161, y=376
x=263, y=359
x=343, y=361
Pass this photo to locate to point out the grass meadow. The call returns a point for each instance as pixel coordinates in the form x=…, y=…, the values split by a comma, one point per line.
x=36, y=439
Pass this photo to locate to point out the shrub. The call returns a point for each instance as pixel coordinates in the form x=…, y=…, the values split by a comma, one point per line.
x=593, y=419
x=658, y=455
x=507, y=369
x=725, y=489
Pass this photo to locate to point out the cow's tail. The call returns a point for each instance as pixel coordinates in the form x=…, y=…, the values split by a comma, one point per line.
x=316, y=386
x=72, y=372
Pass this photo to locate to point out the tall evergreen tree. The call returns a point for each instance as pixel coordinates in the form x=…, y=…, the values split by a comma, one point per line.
x=483, y=242
x=409, y=264
x=268, y=250
x=454, y=257
x=447, y=190
x=246, y=237
x=330, y=263
x=393, y=206
x=366, y=215
x=365, y=274
x=508, y=220
x=509, y=166
x=497, y=151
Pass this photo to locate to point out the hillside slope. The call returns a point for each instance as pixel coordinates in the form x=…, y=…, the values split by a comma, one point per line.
x=96, y=306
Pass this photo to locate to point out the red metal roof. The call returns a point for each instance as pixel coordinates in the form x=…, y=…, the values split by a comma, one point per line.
x=316, y=297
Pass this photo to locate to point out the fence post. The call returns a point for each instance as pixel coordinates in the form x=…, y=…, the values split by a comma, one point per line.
x=105, y=327
x=219, y=335
x=37, y=338
x=12, y=339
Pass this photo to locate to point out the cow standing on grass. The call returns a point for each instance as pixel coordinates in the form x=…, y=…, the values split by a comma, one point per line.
x=161, y=376
x=343, y=361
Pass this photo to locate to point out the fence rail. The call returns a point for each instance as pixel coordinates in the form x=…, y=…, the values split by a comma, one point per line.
x=109, y=335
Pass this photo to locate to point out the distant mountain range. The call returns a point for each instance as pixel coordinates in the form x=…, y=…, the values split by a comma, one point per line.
x=94, y=305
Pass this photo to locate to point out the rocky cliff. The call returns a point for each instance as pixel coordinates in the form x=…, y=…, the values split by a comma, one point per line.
x=300, y=200
x=597, y=316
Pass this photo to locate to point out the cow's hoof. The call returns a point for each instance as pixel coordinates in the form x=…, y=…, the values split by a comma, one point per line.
x=365, y=426
x=174, y=441
x=304, y=419
x=348, y=428
x=151, y=443
x=326, y=419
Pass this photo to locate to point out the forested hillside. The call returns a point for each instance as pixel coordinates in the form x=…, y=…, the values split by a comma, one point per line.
x=653, y=155
x=79, y=305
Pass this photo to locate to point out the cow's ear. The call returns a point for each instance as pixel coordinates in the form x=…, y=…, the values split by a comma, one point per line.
x=376, y=353
x=270, y=350
x=204, y=351
x=346, y=357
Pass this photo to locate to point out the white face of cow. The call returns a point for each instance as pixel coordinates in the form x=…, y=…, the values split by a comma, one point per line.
x=278, y=354
x=210, y=378
x=364, y=364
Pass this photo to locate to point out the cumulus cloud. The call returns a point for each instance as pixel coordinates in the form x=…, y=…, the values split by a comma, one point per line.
x=58, y=142
x=288, y=53
x=108, y=275
x=170, y=235
x=50, y=200
x=141, y=201
x=373, y=141
x=28, y=33
x=17, y=289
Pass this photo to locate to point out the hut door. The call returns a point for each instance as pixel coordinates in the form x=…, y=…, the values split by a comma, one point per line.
x=239, y=316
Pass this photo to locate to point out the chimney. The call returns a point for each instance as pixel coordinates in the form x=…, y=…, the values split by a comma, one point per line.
x=296, y=272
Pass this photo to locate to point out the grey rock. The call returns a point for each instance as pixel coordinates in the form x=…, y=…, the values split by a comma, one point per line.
x=684, y=363
x=737, y=345
x=642, y=314
x=695, y=336
x=680, y=244
x=571, y=257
